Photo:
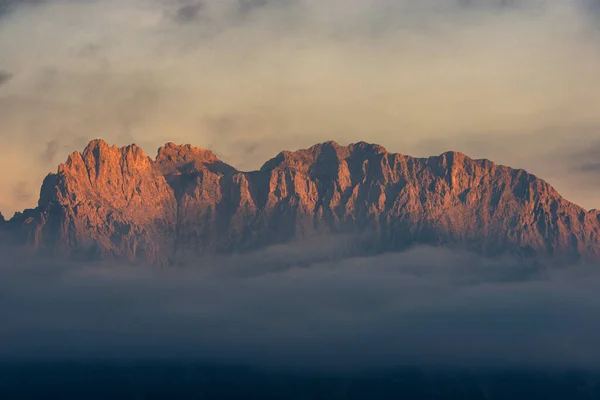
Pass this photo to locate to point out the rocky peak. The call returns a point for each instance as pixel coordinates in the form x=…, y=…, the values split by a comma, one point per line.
x=450, y=157
x=184, y=166
x=187, y=201
x=109, y=200
x=100, y=168
x=321, y=156
x=181, y=159
x=99, y=157
x=366, y=148
x=328, y=151
x=172, y=154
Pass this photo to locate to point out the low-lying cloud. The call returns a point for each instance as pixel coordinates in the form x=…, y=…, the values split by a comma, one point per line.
x=283, y=307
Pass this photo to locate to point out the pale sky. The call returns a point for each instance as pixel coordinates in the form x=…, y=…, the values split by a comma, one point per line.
x=515, y=81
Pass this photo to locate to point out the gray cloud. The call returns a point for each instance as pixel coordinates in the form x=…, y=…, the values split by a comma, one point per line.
x=582, y=159
x=22, y=192
x=270, y=75
x=289, y=306
x=593, y=167
x=7, y=6
x=189, y=12
x=49, y=154
x=4, y=77
x=246, y=7
x=591, y=5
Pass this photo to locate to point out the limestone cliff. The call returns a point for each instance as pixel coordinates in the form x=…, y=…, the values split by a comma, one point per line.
x=117, y=202
x=104, y=202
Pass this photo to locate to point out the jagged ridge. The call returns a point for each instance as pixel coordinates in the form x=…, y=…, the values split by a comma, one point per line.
x=117, y=202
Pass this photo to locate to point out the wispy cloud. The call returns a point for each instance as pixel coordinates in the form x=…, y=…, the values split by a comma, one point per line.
x=189, y=12
x=585, y=159
x=593, y=167
x=4, y=77
x=287, y=74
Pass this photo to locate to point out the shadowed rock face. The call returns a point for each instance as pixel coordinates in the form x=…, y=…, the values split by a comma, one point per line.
x=117, y=202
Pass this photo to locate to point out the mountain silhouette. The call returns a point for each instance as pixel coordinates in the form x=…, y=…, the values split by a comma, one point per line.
x=117, y=203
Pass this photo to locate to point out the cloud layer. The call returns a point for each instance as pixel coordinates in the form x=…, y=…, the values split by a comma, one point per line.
x=287, y=306
x=515, y=81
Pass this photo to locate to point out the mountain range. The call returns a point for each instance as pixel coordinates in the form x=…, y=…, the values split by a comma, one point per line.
x=117, y=203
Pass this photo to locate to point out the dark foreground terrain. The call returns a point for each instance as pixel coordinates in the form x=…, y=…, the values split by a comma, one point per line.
x=143, y=380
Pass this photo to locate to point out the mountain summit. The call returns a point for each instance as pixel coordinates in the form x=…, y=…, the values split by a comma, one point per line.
x=110, y=202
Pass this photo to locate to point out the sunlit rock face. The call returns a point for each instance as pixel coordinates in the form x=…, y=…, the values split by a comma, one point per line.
x=104, y=202
x=110, y=202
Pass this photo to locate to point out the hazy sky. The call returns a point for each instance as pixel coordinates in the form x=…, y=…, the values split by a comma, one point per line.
x=516, y=81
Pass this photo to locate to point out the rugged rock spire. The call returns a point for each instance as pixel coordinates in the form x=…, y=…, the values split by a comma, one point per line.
x=117, y=202
x=107, y=201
